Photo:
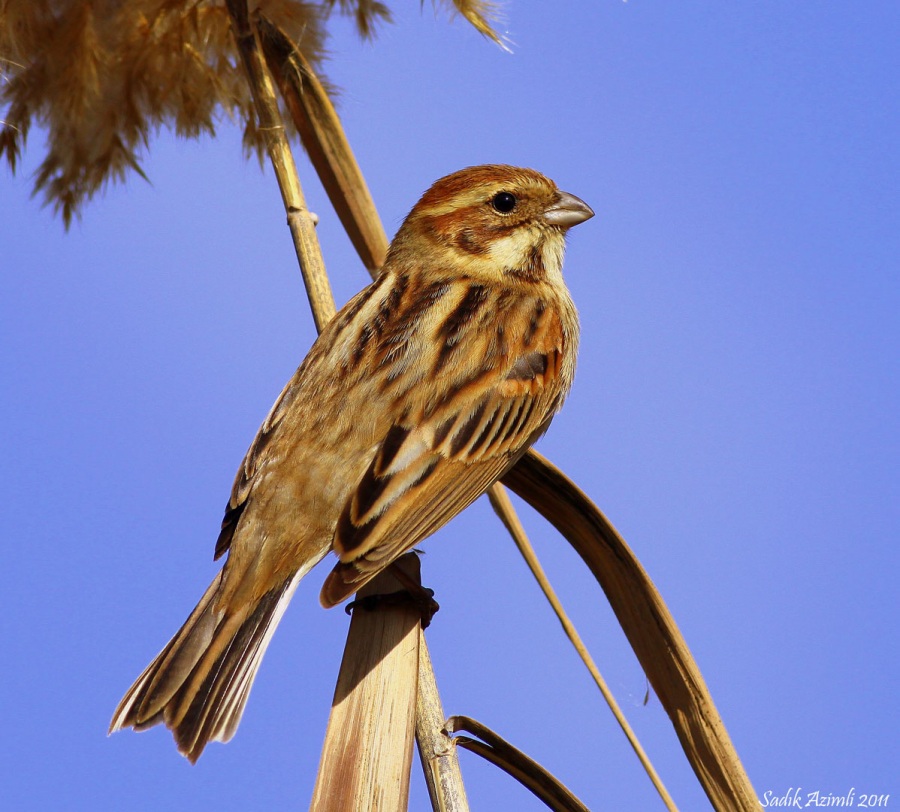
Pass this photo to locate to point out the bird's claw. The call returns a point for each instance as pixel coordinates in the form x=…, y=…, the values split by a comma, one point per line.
x=422, y=599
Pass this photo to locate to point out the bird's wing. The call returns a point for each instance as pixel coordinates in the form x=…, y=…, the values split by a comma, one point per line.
x=427, y=471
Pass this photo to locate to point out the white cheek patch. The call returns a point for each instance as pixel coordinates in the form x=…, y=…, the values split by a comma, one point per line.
x=513, y=250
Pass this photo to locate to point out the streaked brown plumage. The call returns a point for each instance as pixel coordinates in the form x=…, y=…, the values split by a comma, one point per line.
x=422, y=392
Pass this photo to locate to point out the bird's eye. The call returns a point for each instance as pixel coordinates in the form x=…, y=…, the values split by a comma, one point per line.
x=504, y=202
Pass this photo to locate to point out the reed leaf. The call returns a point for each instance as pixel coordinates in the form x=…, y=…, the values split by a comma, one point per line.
x=503, y=507
x=514, y=762
x=648, y=625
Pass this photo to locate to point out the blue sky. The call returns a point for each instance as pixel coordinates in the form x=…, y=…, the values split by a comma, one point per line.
x=734, y=413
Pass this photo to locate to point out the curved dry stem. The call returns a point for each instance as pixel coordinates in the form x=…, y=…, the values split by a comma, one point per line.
x=503, y=507
x=514, y=762
x=648, y=625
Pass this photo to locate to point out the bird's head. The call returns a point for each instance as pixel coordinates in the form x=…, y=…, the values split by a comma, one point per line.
x=493, y=219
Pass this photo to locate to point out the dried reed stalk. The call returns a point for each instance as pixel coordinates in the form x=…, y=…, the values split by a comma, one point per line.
x=647, y=623
x=504, y=509
x=367, y=755
x=326, y=144
x=436, y=749
x=514, y=762
x=300, y=221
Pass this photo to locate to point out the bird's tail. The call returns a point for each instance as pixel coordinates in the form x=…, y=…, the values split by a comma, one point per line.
x=199, y=683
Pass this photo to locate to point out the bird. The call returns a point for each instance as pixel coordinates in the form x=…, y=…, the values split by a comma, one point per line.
x=423, y=390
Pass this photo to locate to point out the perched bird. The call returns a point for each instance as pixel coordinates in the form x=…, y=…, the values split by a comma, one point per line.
x=420, y=394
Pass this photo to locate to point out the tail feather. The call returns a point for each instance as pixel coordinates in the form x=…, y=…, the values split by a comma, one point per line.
x=199, y=683
x=143, y=703
x=209, y=707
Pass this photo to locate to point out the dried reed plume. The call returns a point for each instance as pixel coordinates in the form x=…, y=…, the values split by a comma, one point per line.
x=103, y=76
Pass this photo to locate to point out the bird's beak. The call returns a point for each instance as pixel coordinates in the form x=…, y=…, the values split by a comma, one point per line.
x=568, y=211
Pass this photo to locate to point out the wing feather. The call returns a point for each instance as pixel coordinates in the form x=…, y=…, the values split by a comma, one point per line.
x=504, y=365
x=423, y=476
